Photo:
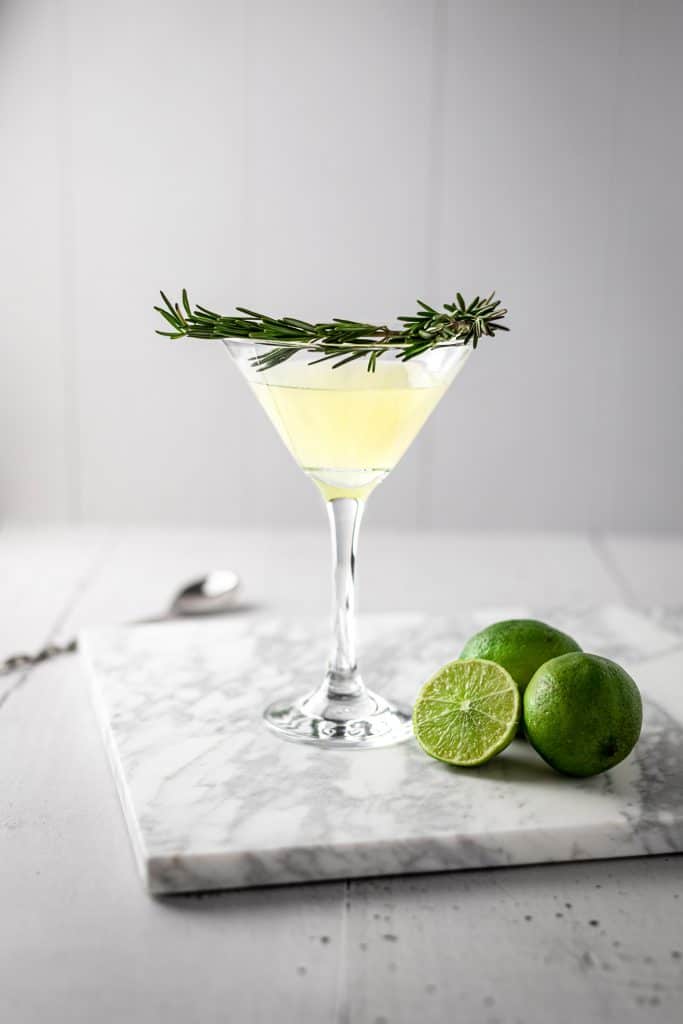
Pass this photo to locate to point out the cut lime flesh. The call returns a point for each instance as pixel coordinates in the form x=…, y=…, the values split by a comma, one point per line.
x=467, y=712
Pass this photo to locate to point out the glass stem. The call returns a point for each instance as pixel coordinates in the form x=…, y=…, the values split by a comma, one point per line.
x=343, y=679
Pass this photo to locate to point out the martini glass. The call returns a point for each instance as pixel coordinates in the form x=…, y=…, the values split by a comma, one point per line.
x=347, y=428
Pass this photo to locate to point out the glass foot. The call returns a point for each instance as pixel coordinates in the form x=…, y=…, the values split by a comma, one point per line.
x=370, y=721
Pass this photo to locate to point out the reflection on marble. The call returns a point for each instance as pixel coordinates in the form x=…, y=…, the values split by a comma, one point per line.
x=215, y=800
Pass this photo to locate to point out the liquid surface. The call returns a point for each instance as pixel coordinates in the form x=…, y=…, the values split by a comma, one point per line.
x=348, y=428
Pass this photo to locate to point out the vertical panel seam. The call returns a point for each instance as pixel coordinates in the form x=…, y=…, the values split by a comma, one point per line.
x=424, y=498
x=244, y=214
x=612, y=160
x=71, y=391
x=342, y=1013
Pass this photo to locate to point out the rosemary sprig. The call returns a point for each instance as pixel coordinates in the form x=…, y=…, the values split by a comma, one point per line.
x=458, y=323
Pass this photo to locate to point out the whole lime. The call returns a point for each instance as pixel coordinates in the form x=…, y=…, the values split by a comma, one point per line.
x=521, y=646
x=582, y=713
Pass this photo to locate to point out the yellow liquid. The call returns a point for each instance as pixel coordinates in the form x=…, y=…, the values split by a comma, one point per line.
x=348, y=436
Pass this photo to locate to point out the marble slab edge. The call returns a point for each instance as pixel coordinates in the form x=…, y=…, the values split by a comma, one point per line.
x=137, y=842
x=165, y=876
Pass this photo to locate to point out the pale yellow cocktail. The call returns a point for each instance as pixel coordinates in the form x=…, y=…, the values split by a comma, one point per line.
x=347, y=430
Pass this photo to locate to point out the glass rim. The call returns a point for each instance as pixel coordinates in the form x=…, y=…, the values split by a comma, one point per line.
x=341, y=346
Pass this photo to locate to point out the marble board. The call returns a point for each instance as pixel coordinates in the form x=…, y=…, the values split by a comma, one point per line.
x=214, y=800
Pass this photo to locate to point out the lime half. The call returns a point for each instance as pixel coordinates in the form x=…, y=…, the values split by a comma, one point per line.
x=467, y=712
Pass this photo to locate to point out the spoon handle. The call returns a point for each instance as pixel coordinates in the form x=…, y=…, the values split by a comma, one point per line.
x=18, y=661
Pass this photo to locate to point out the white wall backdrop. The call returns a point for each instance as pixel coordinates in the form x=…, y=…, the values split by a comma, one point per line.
x=341, y=158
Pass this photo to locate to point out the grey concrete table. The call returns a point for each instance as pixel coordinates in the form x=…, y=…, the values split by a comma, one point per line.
x=79, y=939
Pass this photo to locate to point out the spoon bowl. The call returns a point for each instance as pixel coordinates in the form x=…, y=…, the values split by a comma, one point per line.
x=212, y=594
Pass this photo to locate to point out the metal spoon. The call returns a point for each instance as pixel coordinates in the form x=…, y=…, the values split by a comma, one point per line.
x=212, y=594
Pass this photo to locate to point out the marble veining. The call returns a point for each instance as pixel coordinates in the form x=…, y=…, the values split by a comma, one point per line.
x=212, y=799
